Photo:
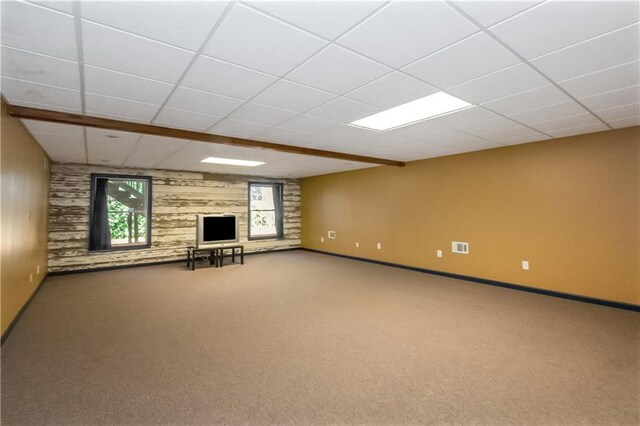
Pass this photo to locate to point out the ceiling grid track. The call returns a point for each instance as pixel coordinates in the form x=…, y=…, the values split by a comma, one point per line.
x=77, y=19
x=526, y=61
x=329, y=42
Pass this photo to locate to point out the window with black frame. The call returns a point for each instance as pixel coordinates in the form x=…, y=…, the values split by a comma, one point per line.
x=120, y=214
x=265, y=211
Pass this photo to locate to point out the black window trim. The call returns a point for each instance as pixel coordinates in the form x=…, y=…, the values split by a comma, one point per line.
x=149, y=179
x=265, y=237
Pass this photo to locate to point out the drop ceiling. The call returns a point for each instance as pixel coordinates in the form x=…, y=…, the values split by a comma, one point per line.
x=298, y=73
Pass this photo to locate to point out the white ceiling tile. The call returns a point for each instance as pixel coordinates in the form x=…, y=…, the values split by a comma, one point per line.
x=59, y=5
x=529, y=100
x=514, y=134
x=619, y=113
x=527, y=138
x=237, y=128
x=28, y=66
x=31, y=27
x=606, y=51
x=625, y=122
x=121, y=109
x=188, y=120
x=456, y=138
x=345, y=135
x=337, y=70
x=184, y=24
x=125, y=86
x=604, y=81
x=626, y=96
x=328, y=19
x=151, y=150
x=464, y=117
x=552, y=127
x=309, y=124
x=202, y=102
x=419, y=131
x=252, y=39
x=120, y=51
x=226, y=79
x=392, y=90
x=55, y=129
x=579, y=130
x=262, y=114
x=558, y=24
x=344, y=110
x=471, y=58
x=63, y=149
x=548, y=113
x=499, y=84
x=47, y=96
x=109, y=146
x=293, y=96
x=280, y=135
x=406, y=31
x=484, y=127
x=492, y=12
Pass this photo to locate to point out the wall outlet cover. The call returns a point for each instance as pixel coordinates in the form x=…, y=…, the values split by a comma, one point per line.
x=357, y=245
x=379, y=246
x=439, y=253
x=525, y=265
x=322, y=239
x=331, y=235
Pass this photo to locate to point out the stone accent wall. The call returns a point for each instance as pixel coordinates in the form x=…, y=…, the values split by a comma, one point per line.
x=177, y=198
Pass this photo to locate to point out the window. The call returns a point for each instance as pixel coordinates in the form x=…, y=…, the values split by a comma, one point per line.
x=120, y=212
x=265, y=210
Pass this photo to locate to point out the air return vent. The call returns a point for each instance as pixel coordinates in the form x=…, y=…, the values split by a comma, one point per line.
x=459, y=247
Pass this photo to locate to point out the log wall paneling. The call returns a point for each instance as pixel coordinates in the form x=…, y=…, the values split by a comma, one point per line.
x=177, y=198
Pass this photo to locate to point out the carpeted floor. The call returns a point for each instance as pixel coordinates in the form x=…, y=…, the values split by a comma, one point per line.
x=305, y=338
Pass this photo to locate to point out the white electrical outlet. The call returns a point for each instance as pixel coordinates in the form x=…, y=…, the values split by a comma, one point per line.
x=31, y=277
x=379, y=246
x=439, y=253
x=331, y=235
x=357, y=245
x=525, y=265
x=322, y=239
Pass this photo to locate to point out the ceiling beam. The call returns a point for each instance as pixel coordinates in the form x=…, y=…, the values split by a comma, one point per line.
x=149, y=129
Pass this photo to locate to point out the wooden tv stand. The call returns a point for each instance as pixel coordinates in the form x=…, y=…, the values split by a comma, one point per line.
x=215, y=255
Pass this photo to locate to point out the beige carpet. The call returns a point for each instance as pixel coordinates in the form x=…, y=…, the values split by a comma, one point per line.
x=305, y=338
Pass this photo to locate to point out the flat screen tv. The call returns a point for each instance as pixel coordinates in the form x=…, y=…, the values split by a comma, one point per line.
x=216, y=229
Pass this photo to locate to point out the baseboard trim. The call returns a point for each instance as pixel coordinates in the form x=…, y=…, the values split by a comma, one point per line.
x=519, y=287
x=15, y=320
x=163, y=262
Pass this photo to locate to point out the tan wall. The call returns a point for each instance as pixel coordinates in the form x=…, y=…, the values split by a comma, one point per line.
x=571, y=207
x=177, y=198
x=24, y=187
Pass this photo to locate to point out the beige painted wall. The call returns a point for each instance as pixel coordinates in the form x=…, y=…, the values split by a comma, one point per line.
x=570, y=206
x=24, y=186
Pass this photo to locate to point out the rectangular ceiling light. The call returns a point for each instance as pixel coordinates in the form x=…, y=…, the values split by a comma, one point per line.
x=421, y=109
x=231, y=162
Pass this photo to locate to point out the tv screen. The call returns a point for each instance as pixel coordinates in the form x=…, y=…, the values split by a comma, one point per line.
x=215, y=229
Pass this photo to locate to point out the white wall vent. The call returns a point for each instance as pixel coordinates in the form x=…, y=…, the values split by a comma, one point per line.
x=459, y=247
x=331, y=235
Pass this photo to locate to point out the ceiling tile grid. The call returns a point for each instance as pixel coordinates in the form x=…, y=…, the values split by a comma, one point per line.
x=302, y=71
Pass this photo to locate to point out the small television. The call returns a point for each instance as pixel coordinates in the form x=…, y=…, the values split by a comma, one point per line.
x=216, y=229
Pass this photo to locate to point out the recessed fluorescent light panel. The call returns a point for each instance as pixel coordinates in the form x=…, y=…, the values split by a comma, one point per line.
x=421, y=109
x=231, y=162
